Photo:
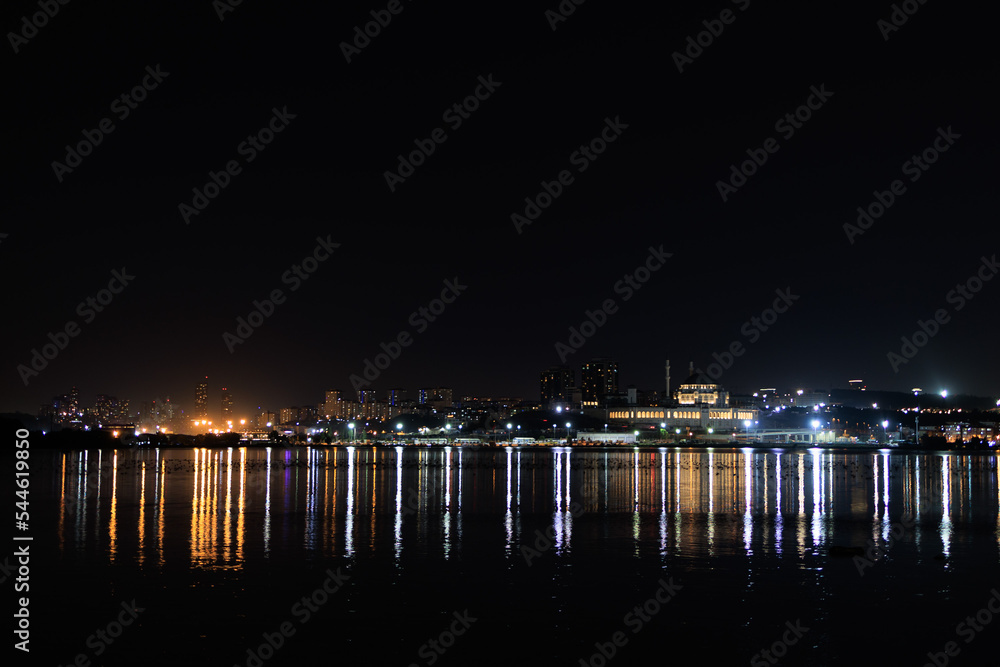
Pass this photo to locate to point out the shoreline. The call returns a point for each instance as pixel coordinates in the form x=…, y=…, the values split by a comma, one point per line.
x=654, y=446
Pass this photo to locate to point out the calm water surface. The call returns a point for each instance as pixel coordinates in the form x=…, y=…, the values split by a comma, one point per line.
x=549, y=550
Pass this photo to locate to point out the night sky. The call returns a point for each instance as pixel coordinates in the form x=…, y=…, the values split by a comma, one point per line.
x=551, y=92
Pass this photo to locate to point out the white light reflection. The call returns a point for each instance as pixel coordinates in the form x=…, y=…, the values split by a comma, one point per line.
x=800, y=524
x=557, y=523
x=885, y=496
x=460, y=495
x=778, y=519
x=747, y=490
x=447, y=503
x=267, y=507
x=349, y=520
x=509, y=517
x=817, y=462
x=635, y=500
x=398, y=526
x=946, y=504
x=307, y=533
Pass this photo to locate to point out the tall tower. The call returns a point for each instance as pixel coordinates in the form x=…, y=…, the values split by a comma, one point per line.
x=201, y=400
x=227, y=404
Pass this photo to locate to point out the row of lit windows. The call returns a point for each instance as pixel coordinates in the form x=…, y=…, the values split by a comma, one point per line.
x=679, y=414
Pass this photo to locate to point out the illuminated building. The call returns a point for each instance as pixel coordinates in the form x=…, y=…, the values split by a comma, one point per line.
x=701, y=404
x=201, y=400
x=439, y=398
x=227, y=405
x=598, y=379
x=556, y=384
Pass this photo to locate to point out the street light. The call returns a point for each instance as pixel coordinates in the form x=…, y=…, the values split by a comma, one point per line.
x=353, y=433
x=746, y=429
x=567, y=432
x=508, y=432
x=885, y=425
x=815, y=424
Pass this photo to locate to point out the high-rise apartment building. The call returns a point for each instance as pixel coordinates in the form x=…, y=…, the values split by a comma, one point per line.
x=437, y=397
x=201, y=400
x=555, y=384
x=227, y=405
x=598, y=379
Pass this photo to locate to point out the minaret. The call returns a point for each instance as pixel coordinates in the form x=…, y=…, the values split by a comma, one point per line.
x=668, y=379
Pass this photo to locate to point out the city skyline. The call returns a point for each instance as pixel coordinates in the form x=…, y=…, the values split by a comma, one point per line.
x=384, y=405
x=597, y=187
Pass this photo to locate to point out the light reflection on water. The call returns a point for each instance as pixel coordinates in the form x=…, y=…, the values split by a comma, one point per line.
x=218, y=508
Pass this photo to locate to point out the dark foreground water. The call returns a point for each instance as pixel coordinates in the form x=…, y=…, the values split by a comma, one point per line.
x=451, y=556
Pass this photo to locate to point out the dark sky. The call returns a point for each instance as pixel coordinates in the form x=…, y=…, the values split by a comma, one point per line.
x=323, y=175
